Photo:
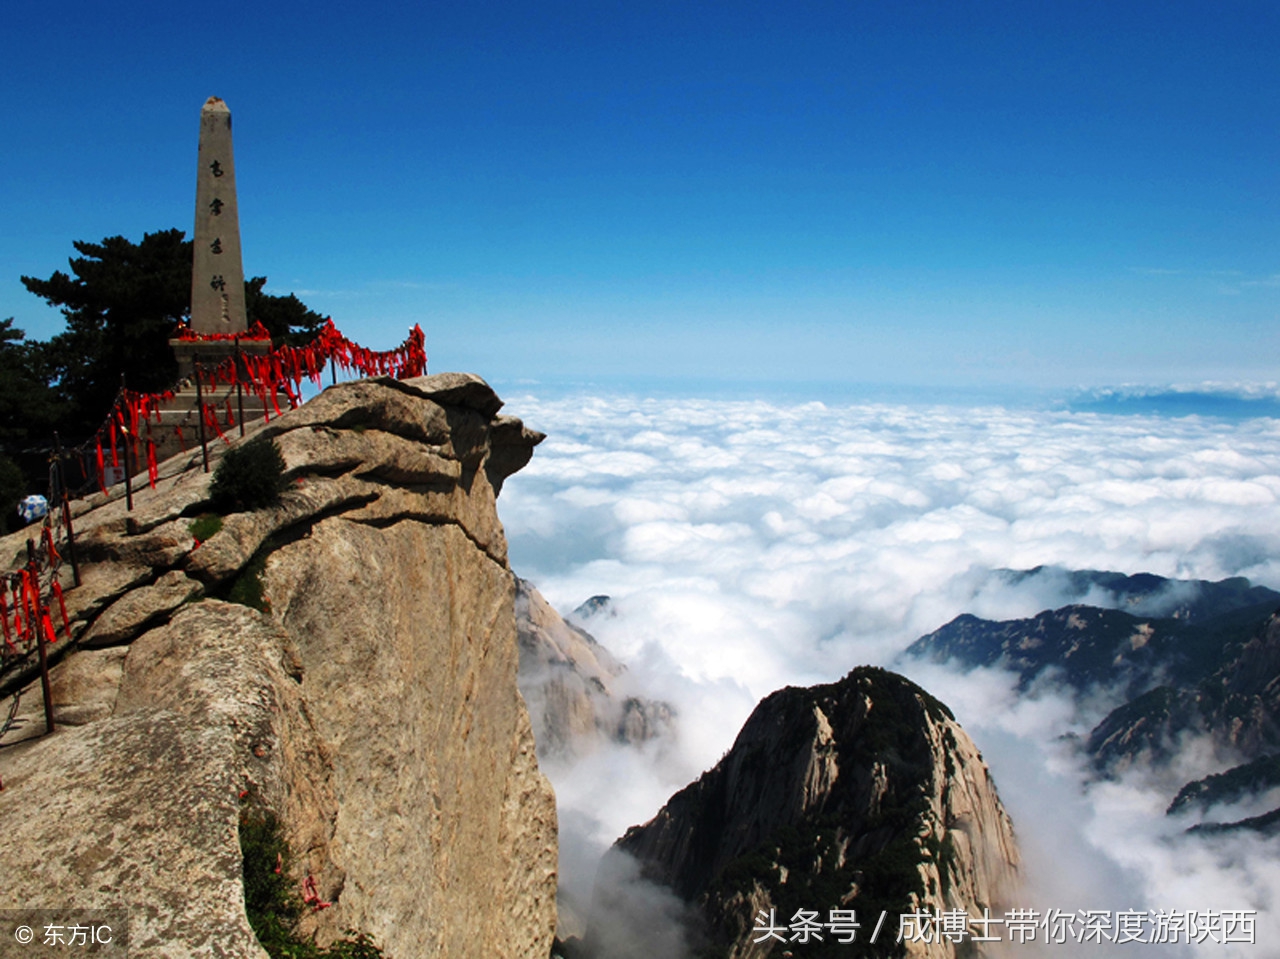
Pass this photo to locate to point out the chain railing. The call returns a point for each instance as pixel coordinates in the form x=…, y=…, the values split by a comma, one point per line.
x=31, y=596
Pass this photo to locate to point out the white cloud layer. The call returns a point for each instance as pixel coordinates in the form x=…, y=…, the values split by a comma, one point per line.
x=749, y=546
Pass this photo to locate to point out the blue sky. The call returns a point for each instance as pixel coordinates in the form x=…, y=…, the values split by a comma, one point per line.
x=957, y=194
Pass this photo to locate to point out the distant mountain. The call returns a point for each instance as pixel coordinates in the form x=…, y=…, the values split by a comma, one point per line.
x=1146, y=594
x=1230, y=786
x=1187, y=658
x=1200, y=625
x=1237, y=706
x=1268, y=824
x=595, y=606
x=863, y=795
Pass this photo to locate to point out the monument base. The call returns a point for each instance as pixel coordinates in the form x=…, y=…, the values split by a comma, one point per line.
x=212, y=353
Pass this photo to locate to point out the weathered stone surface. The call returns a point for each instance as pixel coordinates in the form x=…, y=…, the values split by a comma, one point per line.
x=375, y=454
x=138, y=811
x=461, y=505
x=84, y=690
x=577, y=692
x=452, y=389
x=141, y=806
x=369, y=404
x=511, y=446
x=869, y=792
x=84, y=687
x=227, y=551
x=375, y=711
x=101, y=585
x=410, y=629
x=135, y=610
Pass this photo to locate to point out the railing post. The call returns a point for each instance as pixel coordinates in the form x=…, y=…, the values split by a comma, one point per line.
x=66, y=510
x=128, y=480
x=204, y=446
x=34, y=571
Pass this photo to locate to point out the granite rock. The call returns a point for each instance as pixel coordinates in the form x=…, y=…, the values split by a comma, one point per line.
x=371, y=704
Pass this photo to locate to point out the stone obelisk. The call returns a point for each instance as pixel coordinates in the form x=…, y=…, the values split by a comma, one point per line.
x=217, y=276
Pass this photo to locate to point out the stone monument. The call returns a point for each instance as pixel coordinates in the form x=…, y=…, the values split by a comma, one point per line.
x=217, y=274
x=217, y=277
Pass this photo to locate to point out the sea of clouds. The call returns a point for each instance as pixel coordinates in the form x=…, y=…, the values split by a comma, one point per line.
x=749, y=545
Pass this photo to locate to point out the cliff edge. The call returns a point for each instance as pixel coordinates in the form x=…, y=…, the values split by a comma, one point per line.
x=370, y=703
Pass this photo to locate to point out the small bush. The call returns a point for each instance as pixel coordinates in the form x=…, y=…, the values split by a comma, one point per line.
x=205, y=525
x=270, y=901
x=249, y=477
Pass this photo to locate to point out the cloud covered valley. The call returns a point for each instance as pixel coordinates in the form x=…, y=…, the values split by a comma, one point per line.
x=749, y=545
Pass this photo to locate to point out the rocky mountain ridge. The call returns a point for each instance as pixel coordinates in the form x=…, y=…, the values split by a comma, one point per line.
x=1178, y=629
x=862, y=794
x=1208, y=666
x=370, y=704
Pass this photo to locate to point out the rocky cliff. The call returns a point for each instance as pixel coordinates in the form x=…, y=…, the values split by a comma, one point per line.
x=862, y=794
x=1179, y=630
x=576, y=690
x=370, y=703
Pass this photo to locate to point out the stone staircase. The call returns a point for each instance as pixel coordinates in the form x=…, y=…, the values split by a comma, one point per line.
x=176, y=430
x=181, y=413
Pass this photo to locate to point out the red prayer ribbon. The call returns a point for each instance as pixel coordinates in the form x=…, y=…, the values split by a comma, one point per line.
x=4, y=617
x=62, y=607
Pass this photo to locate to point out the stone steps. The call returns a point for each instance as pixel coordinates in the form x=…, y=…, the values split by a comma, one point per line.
x=175, y=427
x=182, y=412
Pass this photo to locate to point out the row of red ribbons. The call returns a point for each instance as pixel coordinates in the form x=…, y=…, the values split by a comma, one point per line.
x=23, y=613
x=255, y=332
x=266, y=375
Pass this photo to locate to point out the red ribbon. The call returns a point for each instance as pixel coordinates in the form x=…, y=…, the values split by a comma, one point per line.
x=211, y=421
x=48, y=542
x=30, y=606
x=255, y=332
x=17, y=607
x=62, y=607
x=283, y=368
x=4, y=617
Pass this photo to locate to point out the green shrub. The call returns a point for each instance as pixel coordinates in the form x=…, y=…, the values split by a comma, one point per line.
x=272, y=904
x=249, y=477
x=205, y=525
